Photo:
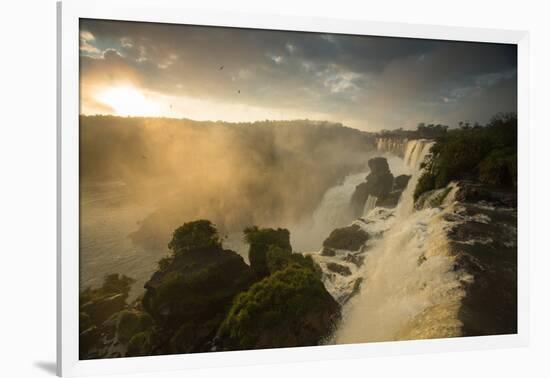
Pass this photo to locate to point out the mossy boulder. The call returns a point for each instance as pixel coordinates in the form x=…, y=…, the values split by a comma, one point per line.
x=200, y=234
x=87, y=340
x=278, y=259
x=350, y=238
x=84, y=321
x=194, y=289
x=100, y=309
x=289, y=308
x=140, y=345
x=130, y=323
x=97, y=307
x=260, y=240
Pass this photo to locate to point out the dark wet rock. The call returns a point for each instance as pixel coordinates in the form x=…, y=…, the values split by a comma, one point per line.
x=470, y=191
x=421, y=260
x=100, y=309
x=380, y=179
x=84, y=321
x=356, y=288
x=339, y=269
x=259, y=240
x=484, y=243
x=379, y=183
x=355, y=259
x=350, y=238
x=378, y=165
x=87, y=339
x=328, y=252
x=139, y=345
x=400, y=182
x=359, y=198
x=391, y=200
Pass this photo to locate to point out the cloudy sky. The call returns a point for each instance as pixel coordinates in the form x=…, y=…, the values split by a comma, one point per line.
x=370, y=83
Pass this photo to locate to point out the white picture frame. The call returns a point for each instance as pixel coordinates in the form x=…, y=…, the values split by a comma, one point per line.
x=165, y=11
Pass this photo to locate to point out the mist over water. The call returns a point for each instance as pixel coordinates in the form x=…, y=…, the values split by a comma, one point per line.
x=334, y=209
x=141, y=178
x=126, y=224
x=107, y=217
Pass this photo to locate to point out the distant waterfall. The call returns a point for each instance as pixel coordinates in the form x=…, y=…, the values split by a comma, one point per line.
x=391, y=145
x=410, y=289
x=415, y=152
x=333, y=212
x=412, y=151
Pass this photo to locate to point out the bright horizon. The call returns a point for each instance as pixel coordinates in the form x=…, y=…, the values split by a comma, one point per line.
x=243, y=75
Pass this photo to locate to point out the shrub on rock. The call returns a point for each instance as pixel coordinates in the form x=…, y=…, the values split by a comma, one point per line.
x=289, y=308
x=194, y=288
x=139, y=345
x=350, y=238
x=194, y=235
x=260, y=240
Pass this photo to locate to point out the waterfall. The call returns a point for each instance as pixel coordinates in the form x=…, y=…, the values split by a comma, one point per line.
x=332, y=212
x=412, y=151
x=391, y=145
x=409, y=288
x=370, y=204
x=415, y=152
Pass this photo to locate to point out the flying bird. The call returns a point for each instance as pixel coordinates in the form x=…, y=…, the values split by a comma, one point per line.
x=239, y=91
x=221, y=68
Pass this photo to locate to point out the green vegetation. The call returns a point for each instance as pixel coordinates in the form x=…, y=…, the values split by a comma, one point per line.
x=278, y=259
x=276, y=307
x=200, y=234
x=205, y=298
x=99, y=305
x=131, y=322
x=423, y=131
x=350, y=238
x=139, y=345
x=484, y=153
x=260, y=239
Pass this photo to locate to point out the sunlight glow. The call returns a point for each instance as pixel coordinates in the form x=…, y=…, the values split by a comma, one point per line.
x=129, y=101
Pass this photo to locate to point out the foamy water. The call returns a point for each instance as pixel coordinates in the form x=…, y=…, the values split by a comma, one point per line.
x=409, y=289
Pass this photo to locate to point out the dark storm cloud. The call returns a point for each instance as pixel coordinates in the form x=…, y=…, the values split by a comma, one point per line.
x=367, y=82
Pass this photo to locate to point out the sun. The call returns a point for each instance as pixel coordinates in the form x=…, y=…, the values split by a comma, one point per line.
x=128, y=101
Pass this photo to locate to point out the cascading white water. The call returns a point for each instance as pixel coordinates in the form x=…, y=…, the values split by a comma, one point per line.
x=409, y=289
x=334, y=210
x=370, y=204
x=391, y=145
